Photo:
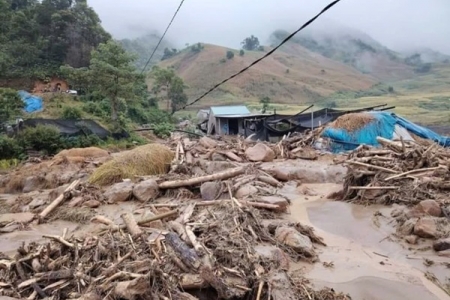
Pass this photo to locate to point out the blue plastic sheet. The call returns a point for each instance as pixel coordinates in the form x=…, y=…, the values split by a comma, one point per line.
x=383, y=125
x=32, y=103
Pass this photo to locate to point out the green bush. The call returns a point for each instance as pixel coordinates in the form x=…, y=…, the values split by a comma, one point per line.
x=9, y=148
x=72, y=113
x=140, y=115
x=241, y=52
x=230, y=54
x=163, y=130
x=95, y=109
x=41, y=138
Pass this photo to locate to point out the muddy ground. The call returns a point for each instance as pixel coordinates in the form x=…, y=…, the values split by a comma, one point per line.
x=363, y=257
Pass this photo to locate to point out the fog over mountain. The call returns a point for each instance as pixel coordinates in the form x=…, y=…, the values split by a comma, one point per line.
x=401, y=25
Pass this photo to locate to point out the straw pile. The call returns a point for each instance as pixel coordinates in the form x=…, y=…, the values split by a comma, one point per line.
x=352, y=122
x=203, y=254
x=151, y=159
x=89, y=152
x=399, y=173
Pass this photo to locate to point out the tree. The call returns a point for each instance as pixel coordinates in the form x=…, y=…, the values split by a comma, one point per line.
x=11, y=104
x=241, y=52
x=251, y=43
x=230, y=54
x=113, y=75
x=168, y=86
x=265, y=101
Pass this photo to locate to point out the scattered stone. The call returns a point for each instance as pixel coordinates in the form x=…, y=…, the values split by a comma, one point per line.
x=92, y=203
x=119, y=192
x=155, y=224
x=425, y=208
x=217, y=157
x=276, y=200
x=37, y=202
x=272, y=252
x=411, y=239
x=426, y=228
x=281, y=287
x=407, y=228
x=245, y=191
x=146, y=190
x=210, y=190
x=260, y=152
x=208, y=142
x=294, y=239
x=442, y=244
x=397, y=212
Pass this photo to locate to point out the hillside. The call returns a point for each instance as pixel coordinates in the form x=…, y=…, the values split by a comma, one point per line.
x=295, y=78
x=352, y=48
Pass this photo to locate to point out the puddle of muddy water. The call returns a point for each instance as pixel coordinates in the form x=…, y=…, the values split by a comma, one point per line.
x=366, y=264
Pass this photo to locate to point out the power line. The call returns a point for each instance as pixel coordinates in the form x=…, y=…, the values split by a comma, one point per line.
x=162, y=37
x=267, y=54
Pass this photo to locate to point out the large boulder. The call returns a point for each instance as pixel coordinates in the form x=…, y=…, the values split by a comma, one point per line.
x=260, y=152
x=245, y=191
x=426, y=228
x=119, y=192
x=408, y=227
x=425, y=208
x=146, y=190
x=294, y=239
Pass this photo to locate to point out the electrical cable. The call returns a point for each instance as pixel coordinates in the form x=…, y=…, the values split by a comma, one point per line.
x=265, y=56
x=162, y=37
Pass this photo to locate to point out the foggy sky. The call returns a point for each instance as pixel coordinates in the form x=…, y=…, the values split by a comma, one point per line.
x=398, y=24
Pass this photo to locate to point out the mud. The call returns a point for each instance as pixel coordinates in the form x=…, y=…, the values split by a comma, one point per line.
x=366, y=264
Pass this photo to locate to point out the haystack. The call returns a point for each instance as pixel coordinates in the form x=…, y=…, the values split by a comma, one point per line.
x=352, y=122
x=151, y=159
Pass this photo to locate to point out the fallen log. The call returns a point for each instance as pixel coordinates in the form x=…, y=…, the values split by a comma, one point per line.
x=131, y=224
x=197, y=180
x=58, y=200
x=187, y=255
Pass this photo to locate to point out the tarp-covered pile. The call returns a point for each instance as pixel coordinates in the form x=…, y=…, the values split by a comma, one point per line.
x=351, y=130
x=32, y=103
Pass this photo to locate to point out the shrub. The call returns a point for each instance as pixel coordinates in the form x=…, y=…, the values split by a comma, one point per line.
x=261, y=48
x=72, y=113
x=230, y=54
x=95, y=109
x=9, y=148
x=41, y=138
x=223, y=60
x=163, y=130
x=241, y=52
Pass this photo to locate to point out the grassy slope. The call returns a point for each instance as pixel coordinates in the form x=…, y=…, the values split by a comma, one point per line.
x=285, y=78
x=424, y=99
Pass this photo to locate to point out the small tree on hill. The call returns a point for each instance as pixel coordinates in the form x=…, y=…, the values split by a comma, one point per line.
x=265, y=101
x=251, y=43
x=241, y=52
x=230, y=54
x=10, y=104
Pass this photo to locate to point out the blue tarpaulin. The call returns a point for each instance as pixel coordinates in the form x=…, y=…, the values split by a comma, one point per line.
x=32, y=103
x=383, y=125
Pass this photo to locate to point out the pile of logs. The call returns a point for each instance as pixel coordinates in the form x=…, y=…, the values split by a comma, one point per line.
x=181, y=254
x=400, y=172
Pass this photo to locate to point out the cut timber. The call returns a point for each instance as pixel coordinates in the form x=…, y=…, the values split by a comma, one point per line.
x=58, y=200
x=373, y=187
x=270, y=180
x=197, y=180
x=388, y=143
x=412, y=172
x=187, y=255
x=231, y=155
x=131, y=224
x=192, y=281
x=357, y=163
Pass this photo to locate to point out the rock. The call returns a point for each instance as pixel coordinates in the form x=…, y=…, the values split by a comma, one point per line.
x=407, y=228
x=271, y=252
x=119, y=192
x=281, y=287
x=92, y=204
x=208, y=142
x=217, y=157
x=397, y=212
x=425, y=208
x=441, y=245
x=245, y=191
x=276, y=200
x=75, y=201
x=37, y=202
x=146, y=190
x=155, y=224
x=260, y=152
x=210, y=190
x=426, y=228
x=294, y=239
x=32, y=183
x=24, y=217
x=411, y=239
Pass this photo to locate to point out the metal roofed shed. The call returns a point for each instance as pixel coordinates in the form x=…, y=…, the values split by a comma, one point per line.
x=227, y=119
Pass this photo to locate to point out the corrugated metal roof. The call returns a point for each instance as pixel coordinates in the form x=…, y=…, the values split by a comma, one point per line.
x=230, y=110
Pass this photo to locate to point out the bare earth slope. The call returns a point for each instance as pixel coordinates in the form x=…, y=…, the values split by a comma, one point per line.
x=290, y=78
